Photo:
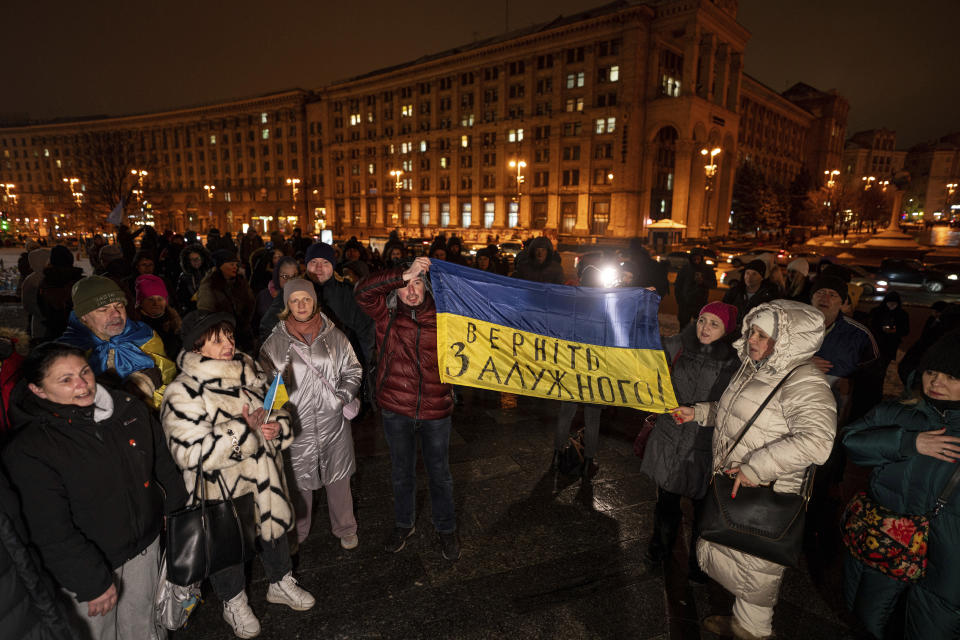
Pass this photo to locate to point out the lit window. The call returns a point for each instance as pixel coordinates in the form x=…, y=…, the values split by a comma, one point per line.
x=213, y=139
x=423, y=146
x=354, y=119
x=444, y=162
x=406, y=147
x=46, y=153
x=614, y=74
x=466, y=213
x=59, y=166
x=406, y=110
x=371, y=168
x=611, y=124
x=514, y=135
x=489, y=213
x=265, y=134
x=464, y=141
x=263, y=118
x=513, y=214
x=466, y=120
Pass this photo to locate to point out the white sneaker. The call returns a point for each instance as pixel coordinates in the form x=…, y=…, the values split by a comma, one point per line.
x=349, y=541
x=287, y=592
x=240, y=617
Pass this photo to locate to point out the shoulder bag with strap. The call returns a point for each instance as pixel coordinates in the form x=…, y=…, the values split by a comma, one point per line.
x=759, y=521
x=350, y=409
x=892, y=543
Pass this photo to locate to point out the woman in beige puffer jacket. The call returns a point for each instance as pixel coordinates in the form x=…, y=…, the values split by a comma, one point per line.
x=795, y=430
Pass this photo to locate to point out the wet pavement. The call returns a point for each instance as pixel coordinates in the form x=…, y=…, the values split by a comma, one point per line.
x=544, y=555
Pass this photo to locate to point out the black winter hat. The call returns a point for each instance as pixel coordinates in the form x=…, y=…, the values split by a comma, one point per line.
x=196, y=322
x=757, y=265
x=60, y=256
x=321, y=250
x=829, y=282
x=223, y=256
x=943, y=356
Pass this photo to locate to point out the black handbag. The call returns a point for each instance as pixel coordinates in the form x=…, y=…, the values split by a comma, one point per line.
x=209, y=535
x=571, y=455
x=759, y=521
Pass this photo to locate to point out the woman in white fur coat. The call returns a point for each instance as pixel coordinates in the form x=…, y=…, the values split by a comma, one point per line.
x=214, y=409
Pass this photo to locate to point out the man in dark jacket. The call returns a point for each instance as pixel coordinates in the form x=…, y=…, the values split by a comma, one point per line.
x=412, y=398
x=31, y=610
x=224, y=288
x=539, y=262
x=752, y=289
x=335, y=297
x=890, y=324
x=692, y=288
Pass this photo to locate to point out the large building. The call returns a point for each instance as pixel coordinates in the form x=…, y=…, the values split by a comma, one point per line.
x=593, y=125
x=934, y=189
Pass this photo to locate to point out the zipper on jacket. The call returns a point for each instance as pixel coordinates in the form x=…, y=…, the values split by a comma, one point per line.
x=419, y=369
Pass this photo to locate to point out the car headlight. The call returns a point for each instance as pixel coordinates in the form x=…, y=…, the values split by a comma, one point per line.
x=881, y=283
x=710, y=262
x=952, y=276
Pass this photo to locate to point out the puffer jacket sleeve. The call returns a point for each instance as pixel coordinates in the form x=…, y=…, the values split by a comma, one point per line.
x=351, y=373
x=705, y=413
x=876, y=438
x=811, y=415
x=190, y=430
x=371, y=293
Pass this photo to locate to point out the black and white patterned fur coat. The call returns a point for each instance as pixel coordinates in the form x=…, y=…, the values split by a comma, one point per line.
x=202, y=414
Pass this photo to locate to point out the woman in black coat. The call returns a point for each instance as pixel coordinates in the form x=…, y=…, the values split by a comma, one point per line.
x=95, y=479
x=678, y=456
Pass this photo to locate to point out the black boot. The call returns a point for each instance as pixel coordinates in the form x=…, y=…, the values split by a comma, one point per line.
x=588, y=469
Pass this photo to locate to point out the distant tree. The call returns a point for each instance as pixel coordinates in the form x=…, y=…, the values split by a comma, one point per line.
x=748, y=198
x=105, y=160
x=802, y=196
x=874, y=204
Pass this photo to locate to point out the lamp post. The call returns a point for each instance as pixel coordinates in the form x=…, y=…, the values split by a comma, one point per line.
x=140, y=174
x=210, y=189
x=519, y=165
x=709, y=171
x=948, y=201
x=397, y=175
x=831, y=185
x=292, y=183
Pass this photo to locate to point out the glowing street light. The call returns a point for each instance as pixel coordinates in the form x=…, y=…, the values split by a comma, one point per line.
x=831, y=175
x=709, y=171
x=519, y=165
x=397, y=175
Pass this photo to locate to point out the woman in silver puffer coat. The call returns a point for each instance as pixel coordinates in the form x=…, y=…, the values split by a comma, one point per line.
x=796, y=429
x=322, y=375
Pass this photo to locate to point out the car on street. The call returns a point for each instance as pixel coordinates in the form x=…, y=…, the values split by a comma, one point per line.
x=895, y=272
x=950, y=270
x=780, y=256
x=677, y=260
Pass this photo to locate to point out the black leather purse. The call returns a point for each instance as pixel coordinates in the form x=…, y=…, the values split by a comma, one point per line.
x=209, y=535
x=759, y=521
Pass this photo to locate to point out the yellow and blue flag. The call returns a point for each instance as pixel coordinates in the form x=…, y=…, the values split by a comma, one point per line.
x=581, y=344
x=276, y=395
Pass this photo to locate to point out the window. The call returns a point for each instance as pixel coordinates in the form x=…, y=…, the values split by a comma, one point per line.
x=444, y=214
x=608, y=47
x=568, y=216
x=265, y=134
x=571, y=153
x=571, y=128
x=489, y=181
x=407, y=211
x=466, y=182
x=489, y=213
x=671, y=70
x=490, y=95
x=406, y=110
x=571, y=177
x=541, y=155
x=607, y=99
x=355, y=119
x=600, y=218
x=539, y=218
x=575, y=55
x=574, y=104
x=575, y=80
x=491, y=73
x=544, y=86
x=466, y=120
x=445, y=162
x=263, y=118
x=514, y=135
x=423, y=146
x=466, y=162
x=516, y=91
x=545, y=62
x=424, y=214
x=541, y=179
x=466, y=209
x=465, y=142
x=542, y=132
x=606, y=125
x=213, y=139
x=371, y=168
x=513, y=214
x=602, y=151
x=603, y=175
x=609, y=74
x=516, y=68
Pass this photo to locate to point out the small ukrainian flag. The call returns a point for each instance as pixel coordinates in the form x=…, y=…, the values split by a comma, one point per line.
x=276, y=396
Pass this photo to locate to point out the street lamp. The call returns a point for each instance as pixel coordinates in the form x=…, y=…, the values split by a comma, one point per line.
x=397, y=175
x=951, y=188
x=709, y=171
x=293, y=182
x=519, y=165
x=140, y=174
x=210, y=189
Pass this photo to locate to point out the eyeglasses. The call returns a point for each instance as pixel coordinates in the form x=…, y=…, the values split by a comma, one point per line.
x=283, y=277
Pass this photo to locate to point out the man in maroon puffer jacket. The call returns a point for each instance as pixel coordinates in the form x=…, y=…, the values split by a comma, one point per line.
x=411, y=397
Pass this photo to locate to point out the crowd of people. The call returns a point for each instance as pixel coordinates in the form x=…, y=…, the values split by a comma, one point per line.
x=161, y=359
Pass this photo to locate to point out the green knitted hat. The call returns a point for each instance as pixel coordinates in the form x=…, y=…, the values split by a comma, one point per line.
x=94, y=292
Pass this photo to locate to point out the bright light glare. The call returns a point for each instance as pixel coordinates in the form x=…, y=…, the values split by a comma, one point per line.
x=609, y=276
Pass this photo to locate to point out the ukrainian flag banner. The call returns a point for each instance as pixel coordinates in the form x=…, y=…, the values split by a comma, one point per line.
x=600, y=346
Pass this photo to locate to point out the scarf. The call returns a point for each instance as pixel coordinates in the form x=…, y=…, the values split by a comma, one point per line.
x=127, y=356
x=307, y=331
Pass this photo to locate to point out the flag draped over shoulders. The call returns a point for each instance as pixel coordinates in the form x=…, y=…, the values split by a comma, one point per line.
x=580, y=344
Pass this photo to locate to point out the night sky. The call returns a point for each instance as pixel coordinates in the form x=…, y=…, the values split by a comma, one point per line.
x=893, y=60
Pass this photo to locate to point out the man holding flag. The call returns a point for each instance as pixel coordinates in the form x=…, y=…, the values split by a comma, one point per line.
x=413, y=399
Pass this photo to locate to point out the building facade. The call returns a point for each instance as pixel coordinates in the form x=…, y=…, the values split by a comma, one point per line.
x=591, y=126
x=934, y=189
